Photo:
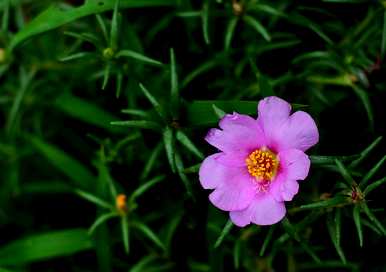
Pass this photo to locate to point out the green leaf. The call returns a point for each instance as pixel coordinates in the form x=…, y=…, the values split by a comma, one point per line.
x=183, y=139
x=125, y=233
x=363, y=96
x=357, y=221
x=230, y=31
x=373, y=218
x=119, y=84
x=291, y=231
x=114, y=27
x=94, y=199
x=257, y=26
x=267, y=239
x=100, y=220
x=69, y=166
x=85, y=111
x=5, y=20
x=225, y=231
x=103, y=27
x=143, y=124
x=219, y=112
x=106, y=75
x=55, y=16
x=337, y=200
x=345, y=174
x=146, y=186
x=174, y=94
x=151, y=160
x=76, y=56
x=137, y=56
x=181, y=174
x=374, y=185
x=322, y=160
x=147, y=232
x=44, y=246
x=364, y=154
x=169, y=147
x=205, y=21
x=372, y=172
x=153, y=101
x=200, y=113
x=237, y=253
x=334, y=238
x=143, y=263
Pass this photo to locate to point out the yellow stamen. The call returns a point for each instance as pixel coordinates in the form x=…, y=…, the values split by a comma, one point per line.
x=262, y=164
x=121, y=203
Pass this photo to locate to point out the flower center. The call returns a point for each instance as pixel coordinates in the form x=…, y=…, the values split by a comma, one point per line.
x=262, y=164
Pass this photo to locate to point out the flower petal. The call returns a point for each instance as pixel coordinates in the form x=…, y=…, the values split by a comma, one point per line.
x=212, y=173
x=299, y=132
x=272, y=113
x=239, y=133
x=235, y=159
x=294, y=163
x=289, y=189
x=263, y=210
x=235, y=193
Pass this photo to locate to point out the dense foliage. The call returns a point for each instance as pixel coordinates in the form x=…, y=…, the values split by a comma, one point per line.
x=104, y=106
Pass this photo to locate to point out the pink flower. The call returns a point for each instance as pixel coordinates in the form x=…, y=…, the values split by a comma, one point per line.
x=260, y=162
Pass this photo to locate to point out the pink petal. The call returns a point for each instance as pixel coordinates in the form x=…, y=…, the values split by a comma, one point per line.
x=235, y=193
x=294, y=163
x=235, y=159
x=239, y=133
x=263, y=210
x=299, y=132
x=212, y=174
x=289, y=189
x=272, y=113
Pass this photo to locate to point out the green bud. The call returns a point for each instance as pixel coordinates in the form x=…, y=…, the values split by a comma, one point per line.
x=108, y=53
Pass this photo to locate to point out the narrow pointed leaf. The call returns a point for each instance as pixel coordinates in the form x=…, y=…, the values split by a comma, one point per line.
x=225, y=231
x=267, y=239
x=114, y=27
x=180, y=170
x=364, y=154
x=372, y=172
x=119, y=85
x=333, y=236
x=143, y=124
x=94, y=199
x=374, y=185
x=183, y=139
x=174, y=94
x=147, y=232
x=106, y=75
x=79, y=55
x=103, y=27
x=153, y=101
x=125, y=234
x=230, y=31
x=373, y=218
x=152, y=160
x=345, y=174
x=100, y=220
x=325, y=203
x=358, y=224
x=137, y=56
x=146, y=186
x=169, y=147
x=257, y=26
x=205, y=21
